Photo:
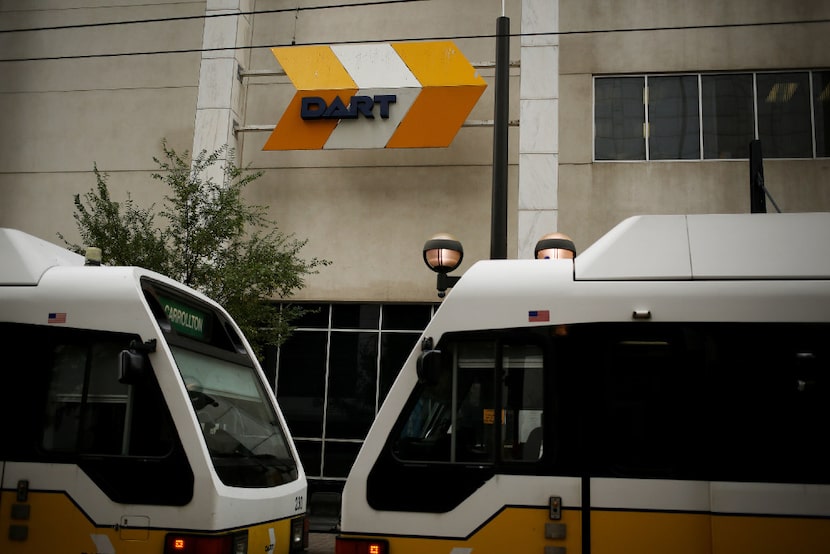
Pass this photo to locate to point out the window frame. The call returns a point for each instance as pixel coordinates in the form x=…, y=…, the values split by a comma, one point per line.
x=812, y=76
x=325, y=455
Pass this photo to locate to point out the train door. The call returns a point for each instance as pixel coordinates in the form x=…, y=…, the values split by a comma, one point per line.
x=633, y=401
x=771, y=408
x=702, y=437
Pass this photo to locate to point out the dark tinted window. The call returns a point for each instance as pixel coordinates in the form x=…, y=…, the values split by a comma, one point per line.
x=619, y=117
x=352, y=384
x=728, y=116
x=395, y=348
x=674, y=123
x=333, y=374
x=406, y=317
x=355, y=316
x=784, y=126
x=301, y=382
x=71, y=408
x=314, y=316
x=821, y=104
x=339, y=457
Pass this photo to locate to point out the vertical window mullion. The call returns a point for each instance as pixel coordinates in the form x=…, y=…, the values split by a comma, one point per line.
x=83, y=415
x=812, y=114
x=755, y=102
x=325, y=394
x=646, y=122
x=378, y=364
x=454, y=404
x=498, y=403
x=700, y=113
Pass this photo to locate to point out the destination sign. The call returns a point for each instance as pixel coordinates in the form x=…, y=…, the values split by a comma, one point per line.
x=186, y=320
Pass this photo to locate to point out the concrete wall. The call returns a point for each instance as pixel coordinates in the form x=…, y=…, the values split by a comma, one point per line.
x=595, y=196
x=62, y=116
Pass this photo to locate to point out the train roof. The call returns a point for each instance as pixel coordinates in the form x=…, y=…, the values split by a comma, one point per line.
x=712, y=246
x=25, y=258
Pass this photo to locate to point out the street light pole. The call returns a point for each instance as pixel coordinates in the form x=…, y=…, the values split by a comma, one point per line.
x=498, y=226
x=442, y=253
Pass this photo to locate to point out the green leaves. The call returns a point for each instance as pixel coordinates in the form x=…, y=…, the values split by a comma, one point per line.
x=213, y=241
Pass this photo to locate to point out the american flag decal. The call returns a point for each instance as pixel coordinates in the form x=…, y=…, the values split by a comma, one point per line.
x=57, y=317
x=538, y=315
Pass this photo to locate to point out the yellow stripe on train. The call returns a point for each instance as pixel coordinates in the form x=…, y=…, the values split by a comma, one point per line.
x=643, y=532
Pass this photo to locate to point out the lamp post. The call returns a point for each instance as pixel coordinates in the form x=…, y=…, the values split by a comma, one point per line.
x=443, y=253
x=498, y=225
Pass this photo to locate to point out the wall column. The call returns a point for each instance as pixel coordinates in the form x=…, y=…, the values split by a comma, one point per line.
x=539, y=124
x=219, y=104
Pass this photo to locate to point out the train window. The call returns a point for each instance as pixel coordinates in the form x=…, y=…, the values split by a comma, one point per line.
x=522, y=403
x=461, y=418
x=87, y=406
x=77, y=412
x=481, y=415
x=702, y=401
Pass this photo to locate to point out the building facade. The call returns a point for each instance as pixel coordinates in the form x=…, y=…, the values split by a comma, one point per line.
x=615, y=109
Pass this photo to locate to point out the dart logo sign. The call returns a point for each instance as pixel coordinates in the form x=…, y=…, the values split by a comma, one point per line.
x=396, y=95
x=314, y=107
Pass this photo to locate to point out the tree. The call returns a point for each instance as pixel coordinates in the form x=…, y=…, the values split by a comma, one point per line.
x=213, y=241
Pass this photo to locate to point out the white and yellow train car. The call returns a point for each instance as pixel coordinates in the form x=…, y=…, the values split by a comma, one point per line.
x=666, y=391
x=136, y=418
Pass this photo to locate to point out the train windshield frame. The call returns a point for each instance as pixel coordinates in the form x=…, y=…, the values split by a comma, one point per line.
x=246, y=442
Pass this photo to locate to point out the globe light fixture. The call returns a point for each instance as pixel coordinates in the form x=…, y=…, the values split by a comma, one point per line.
x=555, y=246
x=442, y=254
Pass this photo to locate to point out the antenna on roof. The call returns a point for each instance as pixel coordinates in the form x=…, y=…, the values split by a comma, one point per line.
x=758, y=192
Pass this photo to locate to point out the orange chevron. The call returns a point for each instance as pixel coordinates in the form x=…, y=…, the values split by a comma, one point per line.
x=452, y=87
x=313, y=68
x=435, y=117
x=310, y=68
x=295, y=133
x=438, y=64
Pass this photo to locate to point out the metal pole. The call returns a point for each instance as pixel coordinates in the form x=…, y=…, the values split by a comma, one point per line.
x=757, y=198
x=498, y=230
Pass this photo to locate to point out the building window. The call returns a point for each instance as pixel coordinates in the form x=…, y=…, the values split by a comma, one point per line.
x=784, y=115
x=334, y=373
x=711, y=116
x=619, y=118
x=674, y=121
x=728, y=125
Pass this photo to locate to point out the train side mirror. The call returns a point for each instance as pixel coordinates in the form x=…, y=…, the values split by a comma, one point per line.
x=133, y=364
x=429, y=367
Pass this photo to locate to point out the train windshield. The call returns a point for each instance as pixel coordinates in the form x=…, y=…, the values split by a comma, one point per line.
x=247, y=444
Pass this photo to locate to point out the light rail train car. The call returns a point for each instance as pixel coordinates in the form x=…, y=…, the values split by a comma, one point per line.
x=136, y=418
x=665, y=391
